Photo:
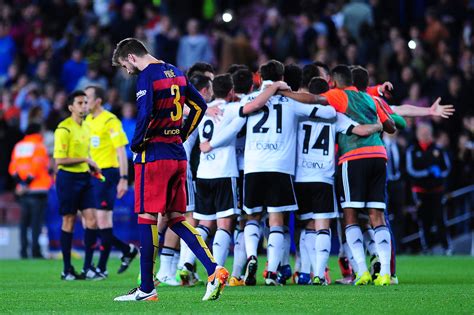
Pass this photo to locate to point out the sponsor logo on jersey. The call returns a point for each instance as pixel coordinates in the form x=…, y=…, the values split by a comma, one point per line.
x=312, y=165
x=172, y=132
x=141, y=93
x=266, y=146
x=210, y=157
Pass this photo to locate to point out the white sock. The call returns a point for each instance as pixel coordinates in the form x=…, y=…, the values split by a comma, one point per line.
x=369, y=241
x=275, y=247
x=166, y=259
x=323, y=248
x=252, y=236
x=349, y=256
x=190, y=257
x=184, y=249
x=356, y=244
x=382, y=241
x=285, y=260
x=305, y=266
x=297, y=259
x=240, y=256
x=174, y=263
x=220, y=247
x=310, y=244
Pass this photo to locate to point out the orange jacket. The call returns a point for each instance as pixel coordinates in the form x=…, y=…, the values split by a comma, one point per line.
x=30, y=159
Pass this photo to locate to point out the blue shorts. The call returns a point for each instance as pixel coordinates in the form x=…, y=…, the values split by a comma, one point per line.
x=106, y=192
x=75, y=192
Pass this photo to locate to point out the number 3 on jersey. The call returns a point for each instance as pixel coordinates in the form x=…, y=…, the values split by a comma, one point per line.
x=179, y=109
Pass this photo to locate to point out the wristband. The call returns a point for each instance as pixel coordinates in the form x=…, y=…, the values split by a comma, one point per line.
x=124, y=177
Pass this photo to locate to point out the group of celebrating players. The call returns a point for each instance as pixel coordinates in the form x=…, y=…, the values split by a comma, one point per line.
x=262, y=149
x=269, y=145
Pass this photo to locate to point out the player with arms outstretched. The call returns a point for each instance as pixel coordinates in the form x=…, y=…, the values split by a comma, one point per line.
x=160, y=161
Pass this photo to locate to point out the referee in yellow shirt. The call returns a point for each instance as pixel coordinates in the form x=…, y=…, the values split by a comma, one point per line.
x=74, y=184
x=108, y=141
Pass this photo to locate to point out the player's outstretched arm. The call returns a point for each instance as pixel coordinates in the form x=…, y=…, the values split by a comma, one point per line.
x=260, y=101
x=436, y=110
x=306, y=98
x=197, y=108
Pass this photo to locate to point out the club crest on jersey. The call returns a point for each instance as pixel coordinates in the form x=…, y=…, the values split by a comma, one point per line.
x=436, y=153
x=141, y=93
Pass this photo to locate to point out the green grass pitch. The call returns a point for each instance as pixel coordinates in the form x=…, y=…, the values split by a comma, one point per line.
x=428, y=285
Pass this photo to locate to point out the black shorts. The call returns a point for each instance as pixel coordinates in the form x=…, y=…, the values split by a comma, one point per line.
x=216, y=198
x=272, y=190
x=361, y=183
x=240, y=189
x=106, y=192
x=315, y=201
x=75, y=192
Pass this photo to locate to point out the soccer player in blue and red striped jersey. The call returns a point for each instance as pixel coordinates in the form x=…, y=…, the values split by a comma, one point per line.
x=160, y=162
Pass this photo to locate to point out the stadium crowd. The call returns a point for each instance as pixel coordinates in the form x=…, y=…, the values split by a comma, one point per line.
x=51, y=48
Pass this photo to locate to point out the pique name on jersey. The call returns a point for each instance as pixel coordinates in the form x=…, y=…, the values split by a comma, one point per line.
x=265, y=146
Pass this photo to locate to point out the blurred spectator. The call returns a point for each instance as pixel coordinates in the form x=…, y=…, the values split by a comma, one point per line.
x=29, y=167
x=9, y=111
x=124, y=25
x=92, y=77
x=42, y=76
x=58, y=112
x=193, y=47
x=415, y=96
x=7, y=50
x=95, y=47
x=125, y=85
x=435, y=31
x=428, y=166
x=10, y=134
x=28, y=98
x=395, y=186
x=73, y=70
x=356, y=13
x=308, y=38
x=166, y=41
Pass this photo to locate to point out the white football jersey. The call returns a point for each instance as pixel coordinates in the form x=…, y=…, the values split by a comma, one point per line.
x=315, y=153
x=222, y=161
x=271, y=133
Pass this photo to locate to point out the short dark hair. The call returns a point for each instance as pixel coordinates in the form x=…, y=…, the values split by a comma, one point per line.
x=200, y=67
x=309, y=71
x=342, y=75
x=33, y=128
x=98, y=92
x=360, y=78
x=322, y=65
x=128, y=46
x=222, y=85
x=318, y=85
x=243, y=81
x=200, y=81
x=272, y=70
x=73, y=95
x=236, y=67
x=293, y=75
